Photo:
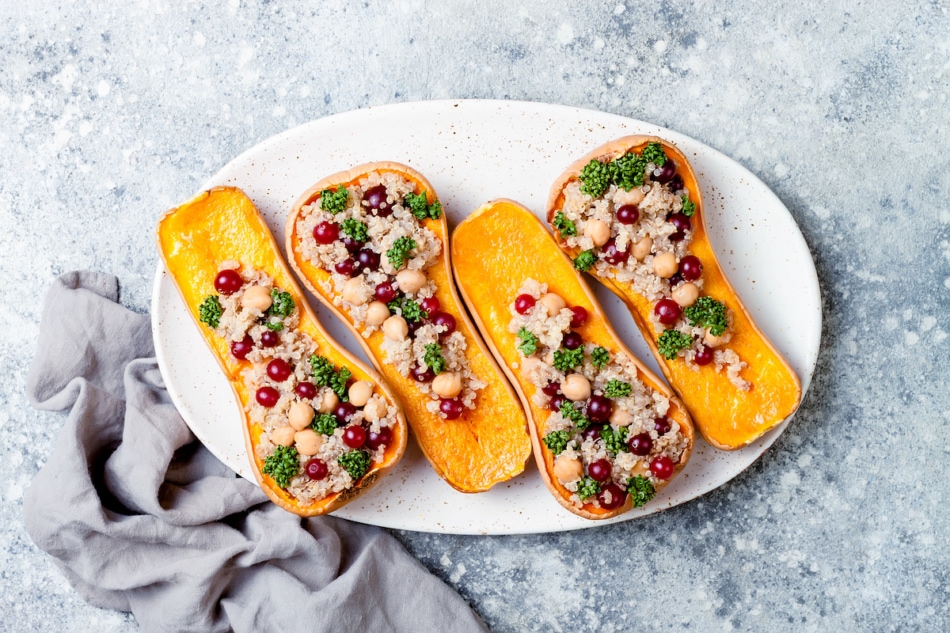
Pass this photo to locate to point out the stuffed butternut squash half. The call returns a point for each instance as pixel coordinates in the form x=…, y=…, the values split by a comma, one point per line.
x=631, y=214
x=607, y=433
x=372, y=245
x=320, y=427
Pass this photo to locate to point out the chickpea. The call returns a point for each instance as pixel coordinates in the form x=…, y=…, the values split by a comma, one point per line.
x=375, y=409
x=328, y=402
x=308, y=442
x=575, y=387
x=256, y=298
x=376, y=313
x=360, y=392
x=685, y=294
x=634, y=196
x=711, y=340
x=410, y=280
x=529, y=366
x=395, y=328
x=642, y=248
x=568, y=469
x=664, y=264
x=598, y=231
x=301, y=415
x=554, y=303
x=621, y=417
x=282, y=435
x=447, y=385
x=353, y=291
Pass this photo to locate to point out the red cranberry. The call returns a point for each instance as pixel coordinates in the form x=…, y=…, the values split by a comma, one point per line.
x=592, y=432
x=680, y=221
x=383, y=438
x=704, y=356
x=430, y=305
x=572, y=340
x=316, y=469
x=579, y=316
x=351, y=245
x=385, y=292
x=551, y=389
x=613, y=255
x=667, y=171
x=354, y=436
x=306, y=390
x=640, y=444
x=524, y=303
x=347, y=267
x=422, y=374
x=691, y=268
x=414, y=327
x=326, y=232
x=662, y=467
x=667, y=311
x=375, y=199
x=240, y=349
x=343, y=411
x=451, y=407
x=676, y=184
x=267, y=396
x=367, y=259
x=628, y=214
x=600, y=470
x=617, y=497
x=557, y=401
x=279, y=370
x=599, y=408
x=661, y=426
x=269, y=338
x=444, y=319
x=227, y=282
x=675, y=280
x=677, y=237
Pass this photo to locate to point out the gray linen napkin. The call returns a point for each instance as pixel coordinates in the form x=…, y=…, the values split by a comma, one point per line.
x=140, y=517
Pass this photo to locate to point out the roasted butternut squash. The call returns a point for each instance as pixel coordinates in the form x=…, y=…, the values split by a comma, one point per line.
x=287, y=373
x=631, y=213
x=600, y=420
x=371, y=244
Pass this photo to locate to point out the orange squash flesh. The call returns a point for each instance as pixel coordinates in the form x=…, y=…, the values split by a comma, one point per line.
x=484, y=446
x=727, y=417
x=494, y=251
x=220, y=225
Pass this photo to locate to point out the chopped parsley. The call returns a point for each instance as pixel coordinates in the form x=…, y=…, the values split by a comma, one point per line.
x=568, y=359
x=640, y=490
x=355, y=230
x=210, y=311
x=408, y=308
x=671, y=342
x=596, y=178
x=324, y=423
x=625, y=171
x=334, y=202
x=614, y=441
x=399, y=253
x=617, y=389
x=282, y=465
x=529, y=342
x=433, y=358
x=564, y=226
x=653, y=153
x=355, y=462
x=324, y=375
x=585, y=260
x=629, y=170
x=569, y=410
x=274, y=326
x=282, y=304
x=587, y=488
x=689, y=207
x=600, y=357
x=557, y=441
x=707, y=312
x=418, y=205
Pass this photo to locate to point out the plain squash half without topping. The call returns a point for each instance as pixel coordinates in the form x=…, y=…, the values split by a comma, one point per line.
x=372, y=245
x=319, y=425
x=607, y=433
x=631, y=214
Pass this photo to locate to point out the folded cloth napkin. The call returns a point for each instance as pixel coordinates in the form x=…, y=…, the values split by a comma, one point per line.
x=140, y=517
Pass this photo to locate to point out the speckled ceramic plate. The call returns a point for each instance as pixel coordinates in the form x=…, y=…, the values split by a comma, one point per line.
x=472, y=152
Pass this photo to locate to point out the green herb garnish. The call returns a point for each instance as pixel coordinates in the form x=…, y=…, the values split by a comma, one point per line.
x=640, y=489
x=569, y=410
x=653, y=153
x=629, y=170
x=324, y=423
x=334, y=202
x=596, y=178
x=587, y=488
x=707, y=312
x=433, y=358
x=274, y=326
x=418, y=205
x=557, y=441
x=355, y=230
x=617, y=389
x=529, y=342
x=282, y=304
x=399, y=253
x=325, y=375
x=210, y=311
x=408, y=308
x=282, y=465
x=585, y=260
x=355, y=462
x=689, y=207
x=614, y=441
x=671, y=342
x=600, y=357
x=568, y=359
x=564, y=226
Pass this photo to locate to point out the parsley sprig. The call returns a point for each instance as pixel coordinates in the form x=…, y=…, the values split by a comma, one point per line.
x=410, y=310
x=282, y=465
x=418, y=205
x=324, y=423
x=564, y=226
x=671, y=342
x=325, y=375
x=355, y=462
x=575, y=415
x=614, y=441
x=600, y=357
x=334, y=201
x=557, y=441
x=617, y=388
x=641, y=490
x=210, y=311
x=399, y=253
x=355, y=230
x=529, y=342
x=587, y=488
x=585, y=261
x=707, y=312
x=567, y=359
x=433, y=358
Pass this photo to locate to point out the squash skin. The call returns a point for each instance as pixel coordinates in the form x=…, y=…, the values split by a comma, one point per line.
x=488, y=251
x=483, y=447
x=725, y=416
x=223, y=224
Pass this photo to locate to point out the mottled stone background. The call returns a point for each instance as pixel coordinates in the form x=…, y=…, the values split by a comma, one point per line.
x=109, y=114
